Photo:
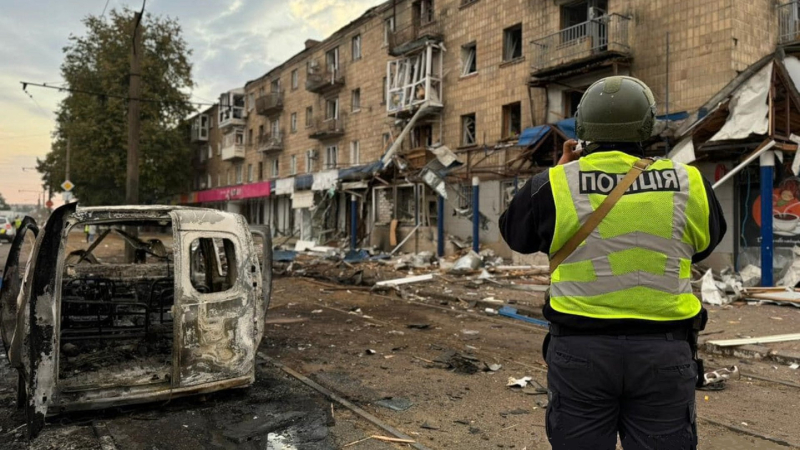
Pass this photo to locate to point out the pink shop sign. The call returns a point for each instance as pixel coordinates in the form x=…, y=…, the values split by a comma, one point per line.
x=234, y=192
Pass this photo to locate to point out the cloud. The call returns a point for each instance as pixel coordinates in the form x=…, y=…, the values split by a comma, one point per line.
x=232, y=42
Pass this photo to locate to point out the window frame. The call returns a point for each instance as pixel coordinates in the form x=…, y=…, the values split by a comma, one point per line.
x=509, y=53
x=355, y=100
x=506, y=121
x=293, y=122
x=355, y=153
x=331, y=162
x=471, y=50
x=293, y=165
x=356, y=48
x=465, y=125
x=295, y=80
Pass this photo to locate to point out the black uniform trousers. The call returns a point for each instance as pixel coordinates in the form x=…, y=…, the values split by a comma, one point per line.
x=640, y=386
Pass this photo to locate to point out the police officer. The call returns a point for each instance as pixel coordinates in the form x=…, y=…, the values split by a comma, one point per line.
x=621, y=307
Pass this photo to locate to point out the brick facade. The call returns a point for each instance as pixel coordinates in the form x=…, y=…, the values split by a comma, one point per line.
x=710, y=42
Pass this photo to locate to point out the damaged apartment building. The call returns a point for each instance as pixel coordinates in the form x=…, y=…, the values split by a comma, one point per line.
x=416, y=99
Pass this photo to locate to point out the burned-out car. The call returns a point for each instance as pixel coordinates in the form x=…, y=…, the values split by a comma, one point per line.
x=155, y=302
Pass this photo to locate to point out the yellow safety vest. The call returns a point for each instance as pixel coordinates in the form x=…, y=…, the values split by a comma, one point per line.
x=637, y=263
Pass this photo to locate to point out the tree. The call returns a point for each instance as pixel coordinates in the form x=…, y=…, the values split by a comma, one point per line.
x=96, y=125
x=3, y=204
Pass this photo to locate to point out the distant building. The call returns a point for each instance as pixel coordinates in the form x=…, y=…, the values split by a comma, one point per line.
x=497, y=82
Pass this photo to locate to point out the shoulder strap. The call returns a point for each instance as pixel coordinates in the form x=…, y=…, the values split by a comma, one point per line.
x=599, y=214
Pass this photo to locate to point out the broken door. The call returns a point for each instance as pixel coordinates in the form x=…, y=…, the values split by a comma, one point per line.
x=217, y=282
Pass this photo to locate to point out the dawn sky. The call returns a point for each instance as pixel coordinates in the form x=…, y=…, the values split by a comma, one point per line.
x=232, y=42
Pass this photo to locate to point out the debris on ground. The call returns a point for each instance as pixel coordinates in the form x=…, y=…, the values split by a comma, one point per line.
x=395, y=403
x=518, y=382
x=715, y=379
x=459, y=362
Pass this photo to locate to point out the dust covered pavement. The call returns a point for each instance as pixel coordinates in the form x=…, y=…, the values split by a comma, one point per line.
x=417, y=360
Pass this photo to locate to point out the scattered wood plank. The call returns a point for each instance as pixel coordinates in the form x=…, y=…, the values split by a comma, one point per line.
x=391, y=439
x=406, y=280
x=755, y=340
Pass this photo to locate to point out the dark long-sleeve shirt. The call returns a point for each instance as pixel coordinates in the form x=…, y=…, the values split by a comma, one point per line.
x=528, y=227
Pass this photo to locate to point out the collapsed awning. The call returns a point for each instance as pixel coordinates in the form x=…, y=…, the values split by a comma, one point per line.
x=532, y=136
x=303, y=182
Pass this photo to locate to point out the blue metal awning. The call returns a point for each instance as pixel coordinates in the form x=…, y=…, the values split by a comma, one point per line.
x=532, y=136
x=357, y=173
x=567, y=126
x=303, y=182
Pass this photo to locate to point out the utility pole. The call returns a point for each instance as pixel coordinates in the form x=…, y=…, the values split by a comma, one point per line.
x=134, y=107
x=134, y=122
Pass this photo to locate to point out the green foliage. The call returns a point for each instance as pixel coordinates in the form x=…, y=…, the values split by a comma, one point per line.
x=97, y=127
x=3, y=204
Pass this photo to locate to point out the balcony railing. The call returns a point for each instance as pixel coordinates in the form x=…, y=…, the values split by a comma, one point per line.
x=270, y=142
x=789, y=22
x=269, y=104
x=413, y=37
x=231, y=116
x=326, y=128
x=604, y=35
x=325, y=78
x=233, y=151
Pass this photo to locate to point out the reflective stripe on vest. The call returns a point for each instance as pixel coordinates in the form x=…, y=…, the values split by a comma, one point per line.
x=637, y=262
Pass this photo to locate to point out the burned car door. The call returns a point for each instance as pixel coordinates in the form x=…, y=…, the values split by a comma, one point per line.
x=42, y=316
x=262, y=242
x=217, y=282
x=13, y=277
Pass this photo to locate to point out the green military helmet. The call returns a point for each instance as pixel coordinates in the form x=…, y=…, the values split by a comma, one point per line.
x=616, y=109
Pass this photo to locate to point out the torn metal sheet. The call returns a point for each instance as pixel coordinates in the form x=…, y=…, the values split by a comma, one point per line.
x=711, y=292
x=444, y=155
x=748, y=108
x=303, y=199
x=284, y=186
x=683, y=151
x=325, y=180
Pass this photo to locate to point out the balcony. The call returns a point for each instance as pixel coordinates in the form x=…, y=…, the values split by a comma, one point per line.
x=269, y=104
x=231, y=116
x=415, y=80
x=326, y=129
x=270, y=142
x=789, y=23
x=414, y=38
x=200, y=128
x=233, y=152
x=579, y=46
x=324, y=79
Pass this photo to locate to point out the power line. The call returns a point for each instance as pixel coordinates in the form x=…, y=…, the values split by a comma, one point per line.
x=104, y=9
x=102, y=95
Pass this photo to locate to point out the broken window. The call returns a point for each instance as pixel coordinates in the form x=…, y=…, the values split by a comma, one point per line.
x=356, y=100
x=311, y=155
x=465, y=196
x=468, y=130
x=332, y=108
x=406, y=204
x=275, y=86
x=331, y=156
x=211, y=270
x=116, y=324
x=356, y=47
x=572, y=99
x=512, y=42
x=332, y=60
x=512, y=120
x=469, y=61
